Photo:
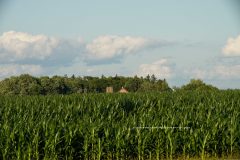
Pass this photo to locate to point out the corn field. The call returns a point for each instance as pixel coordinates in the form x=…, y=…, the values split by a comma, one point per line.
x=120, y=126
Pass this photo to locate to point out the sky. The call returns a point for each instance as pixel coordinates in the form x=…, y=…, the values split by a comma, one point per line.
x=172, y=39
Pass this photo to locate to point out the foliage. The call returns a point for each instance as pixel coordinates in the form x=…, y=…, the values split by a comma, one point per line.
x=197, y=84
x=29, y=85
x=22, y=85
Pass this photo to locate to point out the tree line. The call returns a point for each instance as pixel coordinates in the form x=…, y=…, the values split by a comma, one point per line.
x=26, y=84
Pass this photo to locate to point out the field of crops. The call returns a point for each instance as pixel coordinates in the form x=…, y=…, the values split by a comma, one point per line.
x=120, y=126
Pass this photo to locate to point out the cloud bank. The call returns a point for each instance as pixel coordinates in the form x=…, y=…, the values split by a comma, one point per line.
x=223, y=72
x=25, y=48
x=227, y=72
x=20, y=50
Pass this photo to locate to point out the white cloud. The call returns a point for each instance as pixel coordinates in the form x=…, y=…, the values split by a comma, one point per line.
x=18, y=46
x=106, y=47
x=232, y=48
x=15, y=69
x=161, y=69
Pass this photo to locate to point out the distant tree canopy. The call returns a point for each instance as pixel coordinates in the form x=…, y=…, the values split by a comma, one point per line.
x=197, y=84
x=28, y=85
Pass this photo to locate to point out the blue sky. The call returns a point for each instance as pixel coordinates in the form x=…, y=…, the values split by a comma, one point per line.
x=176, y=40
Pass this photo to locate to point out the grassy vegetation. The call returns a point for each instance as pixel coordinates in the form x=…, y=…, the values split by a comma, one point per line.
x=107, y=126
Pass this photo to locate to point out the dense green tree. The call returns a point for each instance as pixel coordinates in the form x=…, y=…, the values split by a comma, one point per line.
x=59, y=86
x=146, y=86
x=9, y=86
x=133, y=84
x=153, y=78
x=154, y=85
x=197, y=84
x=46, y=84
x=22, y=85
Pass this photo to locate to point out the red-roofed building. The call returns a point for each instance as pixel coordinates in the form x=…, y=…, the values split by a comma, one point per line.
x=123, y=90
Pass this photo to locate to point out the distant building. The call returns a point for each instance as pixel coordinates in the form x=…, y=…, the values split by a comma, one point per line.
x=109, y=90
x=123, y=90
